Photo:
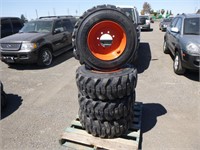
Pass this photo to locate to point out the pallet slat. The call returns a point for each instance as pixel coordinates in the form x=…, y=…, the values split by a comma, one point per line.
x=115, y=144
x=77, y=138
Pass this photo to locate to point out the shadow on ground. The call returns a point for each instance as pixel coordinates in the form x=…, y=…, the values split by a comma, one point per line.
x=150, y=113
x=144, y=57
x=195, y=76
x=13, y=102
x=56, y=61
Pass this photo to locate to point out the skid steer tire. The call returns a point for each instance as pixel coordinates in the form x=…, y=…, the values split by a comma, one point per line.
x=106, y=85
x=105, y=129
x=3, y=97
x=95, y=22
x=112, y=110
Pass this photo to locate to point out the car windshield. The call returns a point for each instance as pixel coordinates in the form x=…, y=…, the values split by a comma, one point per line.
x=192, y=26
x=37, y=27
x=129, y=12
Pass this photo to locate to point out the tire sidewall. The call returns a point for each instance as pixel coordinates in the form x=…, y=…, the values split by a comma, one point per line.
x=3, y=99
x=118, y=73
x=119, y=18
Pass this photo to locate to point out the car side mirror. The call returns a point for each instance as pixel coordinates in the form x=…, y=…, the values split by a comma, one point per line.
x=175, y=30
x=57, y=31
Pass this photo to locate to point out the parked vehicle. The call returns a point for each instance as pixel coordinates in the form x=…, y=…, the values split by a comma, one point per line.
x=182, y=39
x=164, y=24
x=133, y=12
x=10, y=25
x=38, y=41
x=145, y=23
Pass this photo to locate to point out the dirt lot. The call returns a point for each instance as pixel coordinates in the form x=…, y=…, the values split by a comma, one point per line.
x=43, y=102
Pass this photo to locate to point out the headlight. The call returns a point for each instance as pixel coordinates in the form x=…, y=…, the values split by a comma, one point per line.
x=193, y=49
x=28, y=46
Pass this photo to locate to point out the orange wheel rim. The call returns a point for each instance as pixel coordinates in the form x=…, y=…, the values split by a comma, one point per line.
x=115, y=31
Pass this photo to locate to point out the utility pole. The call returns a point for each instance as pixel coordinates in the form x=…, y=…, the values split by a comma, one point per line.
x=36, y=13
x=54, y=11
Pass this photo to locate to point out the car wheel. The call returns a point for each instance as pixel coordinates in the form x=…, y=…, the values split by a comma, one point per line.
x=45, y=57
x=165, y=48
x=178, y=68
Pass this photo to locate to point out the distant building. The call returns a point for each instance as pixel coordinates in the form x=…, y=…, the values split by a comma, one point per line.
x=198, y=12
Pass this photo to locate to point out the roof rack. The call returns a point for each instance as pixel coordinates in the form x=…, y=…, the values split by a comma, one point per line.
x=55, y=17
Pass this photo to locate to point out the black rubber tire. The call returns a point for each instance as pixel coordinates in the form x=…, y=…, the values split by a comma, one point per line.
x=165, y=48
x=3, y=99
x=87, y=21
x=45, y=52
x=135, y=59
x=177, y=65
x=3, y=96
x=105, y=129
x=112, y=110
x=1, y=86
x=106, y=85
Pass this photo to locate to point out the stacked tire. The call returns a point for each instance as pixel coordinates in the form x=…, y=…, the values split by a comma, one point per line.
x=106, y=80
x=3, y=96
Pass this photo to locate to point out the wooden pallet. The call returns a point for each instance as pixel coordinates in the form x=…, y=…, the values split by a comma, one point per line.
x=75, y=137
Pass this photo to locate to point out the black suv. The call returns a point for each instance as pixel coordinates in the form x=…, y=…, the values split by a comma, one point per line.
x=182, y=39
x=10, y=25
x=38, y=41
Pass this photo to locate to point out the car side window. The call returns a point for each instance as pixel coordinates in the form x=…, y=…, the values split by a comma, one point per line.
x=173, y=22
x=68, y=25
x=179, y=24
x=58, y=26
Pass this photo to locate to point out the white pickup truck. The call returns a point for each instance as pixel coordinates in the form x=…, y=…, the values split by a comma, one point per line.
x=106, y=39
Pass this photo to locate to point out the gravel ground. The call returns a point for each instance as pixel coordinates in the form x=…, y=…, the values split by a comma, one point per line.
x=43, y=102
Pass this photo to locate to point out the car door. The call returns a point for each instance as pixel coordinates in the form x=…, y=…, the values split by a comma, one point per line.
x=176, y=36
x=68, y=27
x=59, y=36
x=170, y=34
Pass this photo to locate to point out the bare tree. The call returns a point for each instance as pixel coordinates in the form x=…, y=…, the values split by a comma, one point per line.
x=146, y=8
x=142, y=12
